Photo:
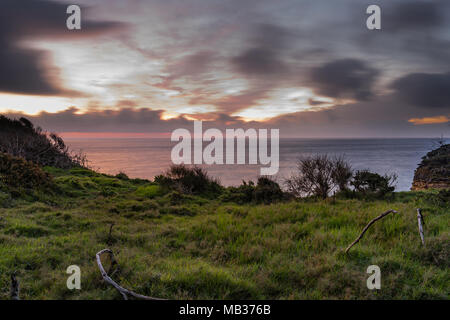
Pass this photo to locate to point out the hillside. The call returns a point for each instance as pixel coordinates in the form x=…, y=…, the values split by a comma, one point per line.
x=434, y=170
x=176, y=246
x=20, y=138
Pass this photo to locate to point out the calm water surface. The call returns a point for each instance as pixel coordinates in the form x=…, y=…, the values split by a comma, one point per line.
x=145, y=158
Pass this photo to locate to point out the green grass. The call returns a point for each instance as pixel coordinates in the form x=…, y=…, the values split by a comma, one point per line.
x=186, y=247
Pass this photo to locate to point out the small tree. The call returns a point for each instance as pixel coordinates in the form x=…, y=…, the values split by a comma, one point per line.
x=314, y=177
x=371, y=183
x=319, y=175
x=267, y=190
x=342, y=173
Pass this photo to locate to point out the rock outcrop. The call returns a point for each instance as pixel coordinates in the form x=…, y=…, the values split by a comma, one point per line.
x=434, y=170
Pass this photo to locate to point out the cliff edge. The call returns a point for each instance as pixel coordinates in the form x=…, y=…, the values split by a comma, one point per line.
x=434, y=170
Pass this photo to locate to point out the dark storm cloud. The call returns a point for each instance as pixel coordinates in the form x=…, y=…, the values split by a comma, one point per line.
x=142, y=120
x=414, y=15
x=383, y=116
x=27, y=71
x=424, y=89
x=110, y=120
x=412, y=33
x=45, y=19
x=345, y=78
x=264, y=56
x=380, y=117
x=262, y=62
x=268, y=36
x=259, y=61
x=261, y=46
x=22, y=72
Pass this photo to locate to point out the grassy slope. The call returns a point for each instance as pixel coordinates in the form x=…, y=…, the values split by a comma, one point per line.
x=195, y=248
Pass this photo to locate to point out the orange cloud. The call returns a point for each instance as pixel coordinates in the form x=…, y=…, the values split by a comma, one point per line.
x=429, y=120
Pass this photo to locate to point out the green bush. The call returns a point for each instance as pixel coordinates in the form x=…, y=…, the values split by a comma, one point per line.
x=241, y=194
x=189, y=180
x=5, y=199
x=441, y=198
x=267, y=191
x=122, y=176
x=368, y=183
x=18, y=173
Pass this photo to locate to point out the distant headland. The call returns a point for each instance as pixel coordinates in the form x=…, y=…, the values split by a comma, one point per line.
x=434, y=170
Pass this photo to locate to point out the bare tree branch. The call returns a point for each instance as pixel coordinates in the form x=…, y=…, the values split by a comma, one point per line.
x=124, y=292
x=367, y=227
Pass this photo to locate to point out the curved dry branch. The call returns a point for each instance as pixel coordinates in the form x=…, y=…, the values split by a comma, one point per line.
x=124, y=292
x=367, y=227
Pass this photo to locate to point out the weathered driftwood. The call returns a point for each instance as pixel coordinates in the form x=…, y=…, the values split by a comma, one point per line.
x=124, y=292
x=421, y=223
x=367, y=227
x=14, y=293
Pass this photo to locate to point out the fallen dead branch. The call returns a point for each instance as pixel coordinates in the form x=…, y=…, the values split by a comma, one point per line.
x=124, y=292
x=421, y=223
x=367, y=227
x=14, y=293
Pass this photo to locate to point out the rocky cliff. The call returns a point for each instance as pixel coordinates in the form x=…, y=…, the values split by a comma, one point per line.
x=434, y=170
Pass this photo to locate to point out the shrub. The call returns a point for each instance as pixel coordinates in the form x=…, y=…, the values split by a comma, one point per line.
x=189, y=180
x=372, y=184
x=440, y=199
x=122, y=176
x=342, y=173
x=241, y=194
x=319, y=175
x=5, y=199
x=17, y=173
x=267, y=191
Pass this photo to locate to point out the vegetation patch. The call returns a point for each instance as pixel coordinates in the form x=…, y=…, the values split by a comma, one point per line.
x=19, y=174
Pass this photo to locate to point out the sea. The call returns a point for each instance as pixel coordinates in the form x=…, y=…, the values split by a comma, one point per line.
x=147, y=157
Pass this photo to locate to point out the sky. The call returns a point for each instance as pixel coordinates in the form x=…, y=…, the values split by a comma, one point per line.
x=308, y=68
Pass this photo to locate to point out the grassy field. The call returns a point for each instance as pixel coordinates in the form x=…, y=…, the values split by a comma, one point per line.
x=187, y=247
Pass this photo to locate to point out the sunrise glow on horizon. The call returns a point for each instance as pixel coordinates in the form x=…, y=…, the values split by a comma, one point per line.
x=156, y=65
